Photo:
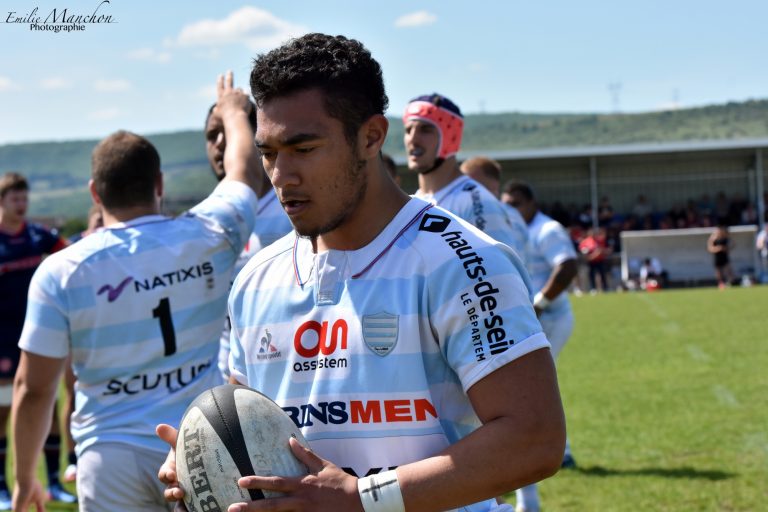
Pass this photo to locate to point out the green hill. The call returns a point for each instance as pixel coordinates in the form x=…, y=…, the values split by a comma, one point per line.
x=59, y=171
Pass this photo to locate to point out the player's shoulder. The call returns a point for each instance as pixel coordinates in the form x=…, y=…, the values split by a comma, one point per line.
x=439, y=235
x=64, y=263
x=546, y=225
x=37, y=230
x=279, y=253
x=470, y=190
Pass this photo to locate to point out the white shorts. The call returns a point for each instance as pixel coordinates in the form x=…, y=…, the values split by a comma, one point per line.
x=558, y=328
x=115, y=476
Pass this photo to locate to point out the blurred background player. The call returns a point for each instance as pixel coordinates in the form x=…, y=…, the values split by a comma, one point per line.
x=139, y=305
x=433, y=129
x=487, y=172
x=761, y=244
x=94, y=222
x=719, y=244
x=23, y=245
x=271, y=221
x=552, y=265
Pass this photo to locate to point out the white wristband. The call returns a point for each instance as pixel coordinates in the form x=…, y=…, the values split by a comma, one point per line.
x=381, y=492
x=540, y=301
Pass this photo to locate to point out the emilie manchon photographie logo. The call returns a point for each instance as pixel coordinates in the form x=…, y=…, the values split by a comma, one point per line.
x=62, y=19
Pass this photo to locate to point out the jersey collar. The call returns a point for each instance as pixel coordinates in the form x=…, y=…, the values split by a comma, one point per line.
x=363, y=259
x=138, y=221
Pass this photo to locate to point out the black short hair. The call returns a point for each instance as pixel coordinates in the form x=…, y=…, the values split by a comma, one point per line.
x=251, y=117
x=343, y=69
x=125, y=168
x=519, y=187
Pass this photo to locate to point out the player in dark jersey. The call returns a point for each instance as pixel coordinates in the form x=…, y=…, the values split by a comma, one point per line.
x=23, y=245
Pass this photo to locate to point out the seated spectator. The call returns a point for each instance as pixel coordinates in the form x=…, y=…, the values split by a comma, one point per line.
x=585, y=216
x=648, y=223
x=605, y=212
x=651, y=269
x=722, y=208
x=642, y=207
x=706, y=207
x=749, y=214
x=737, y=205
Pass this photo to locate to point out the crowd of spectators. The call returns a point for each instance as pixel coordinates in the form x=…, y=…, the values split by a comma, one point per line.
x=707, y=211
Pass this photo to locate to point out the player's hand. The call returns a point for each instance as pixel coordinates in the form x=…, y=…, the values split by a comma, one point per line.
x=230, y=100
x=167, y=472
x=327, y=488
x=25, y=496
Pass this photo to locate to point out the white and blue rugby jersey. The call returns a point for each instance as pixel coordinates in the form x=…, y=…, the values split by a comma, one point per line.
x=519, y=229
x=469, y=200
x=371, y=351
x=139, y=306
x=272, y=223
x=548, y=246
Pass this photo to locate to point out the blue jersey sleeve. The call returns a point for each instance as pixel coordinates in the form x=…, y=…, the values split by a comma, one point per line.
x=231, y=206
x=555, y=244
x=46, y=328
x=480, y=309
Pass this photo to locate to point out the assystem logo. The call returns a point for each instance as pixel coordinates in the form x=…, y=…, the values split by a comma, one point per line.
x=317, y=342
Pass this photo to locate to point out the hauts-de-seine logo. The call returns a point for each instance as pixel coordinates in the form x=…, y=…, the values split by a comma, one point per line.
x=62, y=19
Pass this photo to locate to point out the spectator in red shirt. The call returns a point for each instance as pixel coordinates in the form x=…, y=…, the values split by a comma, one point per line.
x=595, y=249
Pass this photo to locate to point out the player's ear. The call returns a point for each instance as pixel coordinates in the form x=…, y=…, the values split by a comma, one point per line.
x=159, y=185
x=372, y=134
x=94, y=194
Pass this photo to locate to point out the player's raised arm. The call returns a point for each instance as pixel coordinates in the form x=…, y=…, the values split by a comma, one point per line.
x=240, y=154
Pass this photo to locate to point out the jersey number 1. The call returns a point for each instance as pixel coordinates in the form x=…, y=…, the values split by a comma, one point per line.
x=163, y=312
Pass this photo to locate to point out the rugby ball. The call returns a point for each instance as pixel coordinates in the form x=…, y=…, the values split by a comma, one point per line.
x=229, y=432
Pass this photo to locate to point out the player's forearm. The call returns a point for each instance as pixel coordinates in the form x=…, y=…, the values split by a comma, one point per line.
x=240, y=155
x=501, y=456
x=560, y=279
x=31, y=420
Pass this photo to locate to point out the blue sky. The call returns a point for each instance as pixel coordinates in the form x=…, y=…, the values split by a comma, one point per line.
x=153, y=69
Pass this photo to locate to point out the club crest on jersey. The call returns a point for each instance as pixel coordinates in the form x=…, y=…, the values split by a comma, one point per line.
x=380, y=332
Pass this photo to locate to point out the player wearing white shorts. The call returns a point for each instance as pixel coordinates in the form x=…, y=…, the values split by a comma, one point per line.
x=552, y=264
x=387, y=327
x=271, y=221
x=433, y=130
x=138, y=306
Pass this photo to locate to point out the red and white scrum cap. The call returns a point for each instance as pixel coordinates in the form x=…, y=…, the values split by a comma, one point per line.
x=443, y=114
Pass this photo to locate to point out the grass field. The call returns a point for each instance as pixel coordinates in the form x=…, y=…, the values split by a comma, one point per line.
x=666, y=396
